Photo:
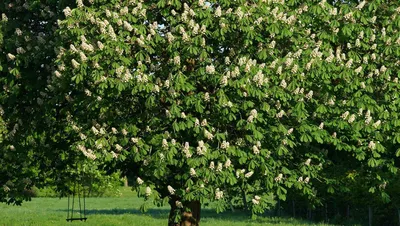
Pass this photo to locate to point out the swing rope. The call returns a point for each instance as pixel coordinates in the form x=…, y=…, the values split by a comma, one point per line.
x=70, y=217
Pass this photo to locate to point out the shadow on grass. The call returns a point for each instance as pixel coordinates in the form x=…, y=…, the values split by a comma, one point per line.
x=206, y=214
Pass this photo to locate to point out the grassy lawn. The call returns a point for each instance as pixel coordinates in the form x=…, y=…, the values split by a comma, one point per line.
x=122, y=210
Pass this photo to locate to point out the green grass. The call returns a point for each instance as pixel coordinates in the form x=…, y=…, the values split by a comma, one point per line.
x=122, y=210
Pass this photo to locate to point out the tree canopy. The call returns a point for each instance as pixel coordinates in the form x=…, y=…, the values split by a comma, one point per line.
x=196, y=97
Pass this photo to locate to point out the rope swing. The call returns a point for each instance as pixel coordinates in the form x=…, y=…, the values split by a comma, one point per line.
x=71, y=197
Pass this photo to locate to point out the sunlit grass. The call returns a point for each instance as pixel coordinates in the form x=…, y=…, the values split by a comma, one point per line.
x=122, y=210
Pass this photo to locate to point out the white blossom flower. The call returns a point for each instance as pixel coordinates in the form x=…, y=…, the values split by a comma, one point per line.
x=179, y=204
x=4, y=17
x=208, y=135
x=250, y=119
x=358, y=70
x=383, y=69
x=192, y=172
x=307, y=180
x=82, y=136
x=186, y=150
x=227, y=163
x=227, y=61
x=344, y=115
x=371, y=145
x=224, y=145
x=148, y=191
x=115, y=155
x=210, y=69
x=183, y=115
x=352, y=118
x=10, y=56
x=280, y=114
x=368, y=120
x=256, y=151
x=255, y=201
x=114, y=130
x=212, y=166
x=95, y=131
x=79, y=3
x=67, y=12
x=278, y=178
x=254, y=113
x=118, y=147
x=272, y=44
x=218, y=12
x=308, y=162
x=75, y=64
x=377, y=124
x=171, y=190
x=309, y=95
x=373, y=57
x=218, y=194
x=283, y=84
x=279, y=72
x=249, y=174
x=18, y=32
x=128, y=26
x=361, y=5
x=224, y=81
x=204, y=122
x=349, y=63
x=177, y=60
x=300, y=179
x=139, y=180
x=164, y=144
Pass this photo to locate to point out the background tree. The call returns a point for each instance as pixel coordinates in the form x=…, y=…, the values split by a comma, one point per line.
x=34, y=148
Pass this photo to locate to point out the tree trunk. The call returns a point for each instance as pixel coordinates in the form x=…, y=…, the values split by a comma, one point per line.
x=244, y=200
x=171, y=217
x=398, y=214
x=279, y=208
x=309, y=214
x=189, y=218
x=370, y=216
x=294, y=209
x=326, y=212
x=231, y=205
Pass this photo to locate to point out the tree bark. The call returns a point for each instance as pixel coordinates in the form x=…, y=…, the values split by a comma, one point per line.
x=279, y=208
x=171, y=217
x=244, y=200
x=398, y=214
x=370, y=216
x=326, y=212
x=294, y=209
x=188, y=218
x=191, y=218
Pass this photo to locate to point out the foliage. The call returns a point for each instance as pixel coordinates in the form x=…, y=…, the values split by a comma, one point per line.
x=192, y=97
